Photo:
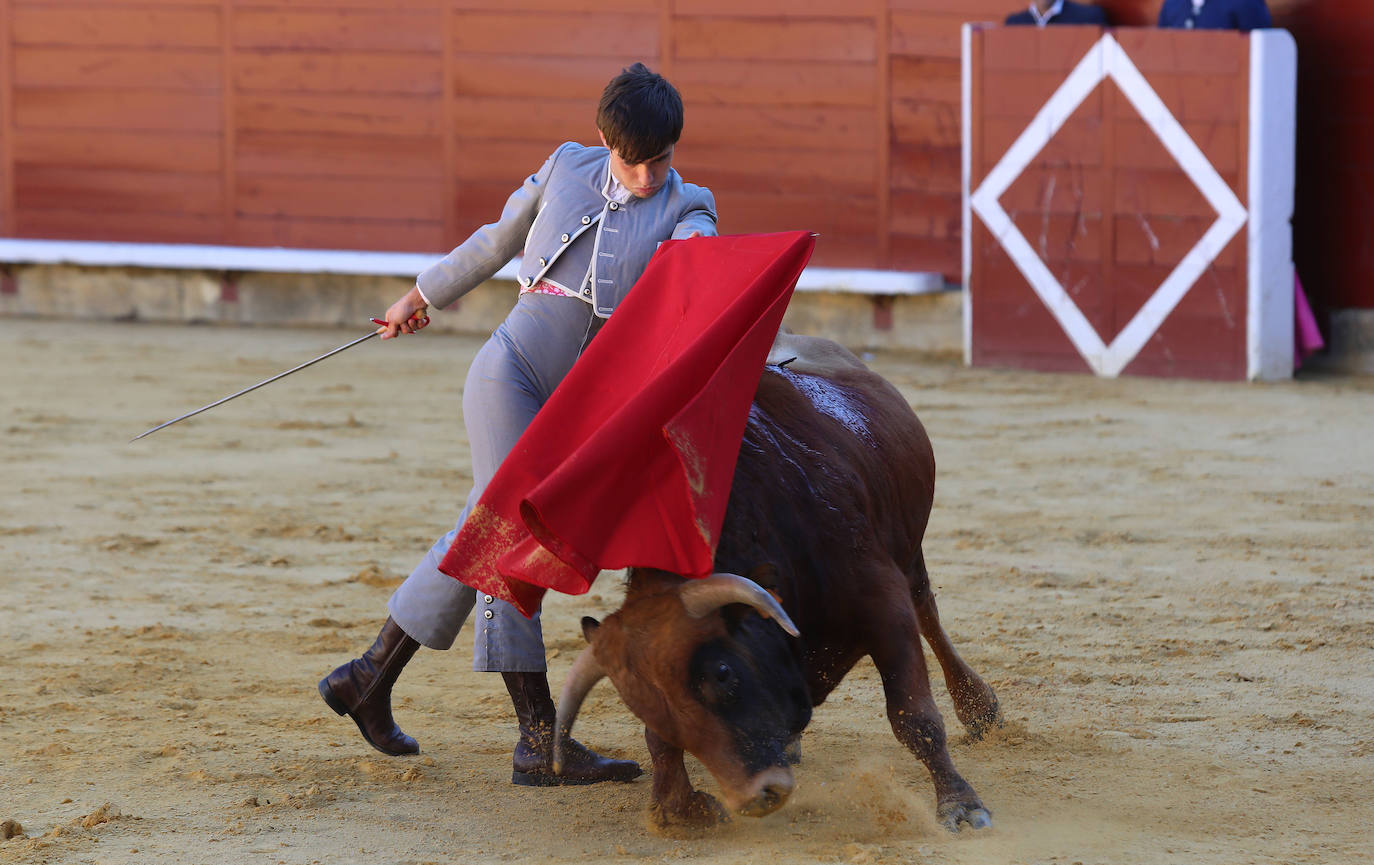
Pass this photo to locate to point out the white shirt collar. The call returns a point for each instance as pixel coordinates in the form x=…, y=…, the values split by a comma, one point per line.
x=612, y=189
x=1042, y=20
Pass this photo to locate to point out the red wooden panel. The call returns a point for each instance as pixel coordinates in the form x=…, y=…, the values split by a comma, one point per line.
x=104, y=224
x=762, y=40
x=926, y=214
x=126, y=151
x=836, y=129
x=307, y=154
x=1061, y=236
x=132, y=26
x=784, y=82
x=1161, y=193
x=742, y=213
x=932, y=255
x=338, y=30
x=929, y=169
x=388, y=235
x=929, y=124
x=124, y=110
x=503, y=162
x=395, y=115
x=392, y=198
x=835, y=249
x=339, y=72
x=1022, y=93
x=925, y=79
x=1078, y=142
x=543, y=6
x=1142, y=239
x=56, y=187
x=779, y=170
x=478, y=204
x=519, y=77
x=1194, y=97
x=548, y=120
x=1056, y=49
x=926, y=34
x=1204, y=52
x=179, y=69
x=559, y=35
x=793, y=8
x=1065, y=188
x=1003, y=287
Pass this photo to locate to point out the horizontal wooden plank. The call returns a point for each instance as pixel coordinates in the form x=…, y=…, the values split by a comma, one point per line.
x=1205, y=52
x=358, y=114
x=303, y=233
x=926, y=169
x=559, y=35
x=1001, y=284
x=923, y=214
x=116, y=26
x=1161, y=193
x=779, y=169
x=925, y=79
x=926, y=34
x=1078, y=142
x=1063, y=188
x=339, y=30
x=548, y=120
x=1138, y=147
x=743, y=212
x=1022, y=93
x=331, y=154
x=124, y=110
x=88, y=224
x=1142, y=239
x=1217, y=98
x=119, y=150
x=1048, y=49
x=349, y=197
x=39, y=186
x=926, y=254
x=514, y=76
x=467, y=7
x=505, y=163
x=783, y=82
x=168, y=68
x=338, y=72
x=761, y=40
x=994, y=11
x=1059, y=236
x=831, y=128
x=793, y=8
x=838, y=249
x=926, y=124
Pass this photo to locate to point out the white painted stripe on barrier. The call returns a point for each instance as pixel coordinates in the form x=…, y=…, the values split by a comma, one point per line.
x=355, y=262
x=966, y=214
x=1107, y=59
x=1269, y=247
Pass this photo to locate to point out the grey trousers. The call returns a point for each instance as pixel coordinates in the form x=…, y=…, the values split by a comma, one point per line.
x=511, y=378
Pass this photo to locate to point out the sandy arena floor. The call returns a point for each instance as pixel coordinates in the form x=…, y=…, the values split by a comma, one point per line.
x=1169, y=584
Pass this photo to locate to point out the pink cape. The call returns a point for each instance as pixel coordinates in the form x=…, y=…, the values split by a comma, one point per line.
x=630, y=461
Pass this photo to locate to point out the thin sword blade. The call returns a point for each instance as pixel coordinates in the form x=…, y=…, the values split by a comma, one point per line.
x=254, y=387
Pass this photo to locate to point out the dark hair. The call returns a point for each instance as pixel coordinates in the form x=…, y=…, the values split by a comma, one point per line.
x=640, y=114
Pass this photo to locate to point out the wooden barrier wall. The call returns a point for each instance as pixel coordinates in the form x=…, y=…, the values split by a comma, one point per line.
x=401, y=124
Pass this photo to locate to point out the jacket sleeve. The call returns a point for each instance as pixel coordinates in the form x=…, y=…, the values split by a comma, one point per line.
x=488, y=249
x=700, y=216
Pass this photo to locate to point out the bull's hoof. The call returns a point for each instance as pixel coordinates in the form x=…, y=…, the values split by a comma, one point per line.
x=955, y=815
x=701, y=811
x=979, y=713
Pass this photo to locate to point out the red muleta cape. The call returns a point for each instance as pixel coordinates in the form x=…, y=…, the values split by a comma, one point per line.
x=630, y=461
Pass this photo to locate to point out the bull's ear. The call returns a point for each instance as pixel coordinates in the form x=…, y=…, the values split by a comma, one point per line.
x=589, y=626
x=765, y=575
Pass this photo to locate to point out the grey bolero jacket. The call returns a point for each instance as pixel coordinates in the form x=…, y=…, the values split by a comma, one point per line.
x=552, y=210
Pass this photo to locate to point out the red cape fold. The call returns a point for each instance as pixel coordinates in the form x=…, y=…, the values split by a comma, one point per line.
x=630, y=461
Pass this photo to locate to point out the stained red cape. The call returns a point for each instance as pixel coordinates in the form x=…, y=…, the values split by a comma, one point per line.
x=629, y=463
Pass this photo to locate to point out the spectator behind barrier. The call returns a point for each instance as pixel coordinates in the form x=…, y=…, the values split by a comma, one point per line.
x=1215, y=14
x=1042, y=12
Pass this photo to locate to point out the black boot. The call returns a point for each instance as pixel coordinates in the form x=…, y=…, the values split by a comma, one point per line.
x=533, y=762
x=361, y=689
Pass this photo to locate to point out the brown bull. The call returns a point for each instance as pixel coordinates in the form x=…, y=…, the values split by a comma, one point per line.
x=829, y=504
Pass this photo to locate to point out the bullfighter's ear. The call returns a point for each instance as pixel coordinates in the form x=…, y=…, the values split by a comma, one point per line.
x=589, y=626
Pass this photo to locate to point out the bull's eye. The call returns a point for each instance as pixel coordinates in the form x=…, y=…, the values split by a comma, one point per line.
x=724, y=673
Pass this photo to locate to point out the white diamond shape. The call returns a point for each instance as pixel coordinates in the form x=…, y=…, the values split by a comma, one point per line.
x=1107, y=59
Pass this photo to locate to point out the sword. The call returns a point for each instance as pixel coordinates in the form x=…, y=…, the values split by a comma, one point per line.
x=264, y=382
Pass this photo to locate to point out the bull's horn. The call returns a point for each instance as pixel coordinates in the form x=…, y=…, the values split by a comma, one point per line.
x=707, y=595
x=586, y=671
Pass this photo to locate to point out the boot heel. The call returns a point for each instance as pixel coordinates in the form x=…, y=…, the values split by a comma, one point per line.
x=330, y=700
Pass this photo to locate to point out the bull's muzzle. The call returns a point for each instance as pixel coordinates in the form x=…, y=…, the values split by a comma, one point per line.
x=766, y=793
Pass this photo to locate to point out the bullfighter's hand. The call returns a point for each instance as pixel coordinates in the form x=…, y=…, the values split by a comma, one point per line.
x=407, y=315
